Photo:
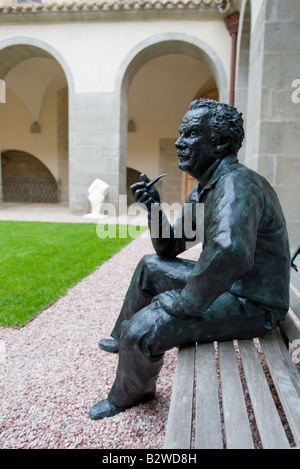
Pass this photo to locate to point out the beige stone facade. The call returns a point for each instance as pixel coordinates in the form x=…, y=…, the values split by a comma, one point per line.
x=97, y=89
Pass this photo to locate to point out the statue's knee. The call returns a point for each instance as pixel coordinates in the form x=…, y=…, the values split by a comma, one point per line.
x=148, y=260
x=135, y=340
x=142, y=333
x=131, y=334
x=147, y=265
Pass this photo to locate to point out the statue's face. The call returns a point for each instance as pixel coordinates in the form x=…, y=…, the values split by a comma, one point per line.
x=196, y=153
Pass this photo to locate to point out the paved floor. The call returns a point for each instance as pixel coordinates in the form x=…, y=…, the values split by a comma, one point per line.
x=61, y=213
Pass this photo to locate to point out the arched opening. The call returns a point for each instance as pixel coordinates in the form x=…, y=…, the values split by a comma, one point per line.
x=35, y=121
x=159, y=96
x=26, y=179
x=158, y=84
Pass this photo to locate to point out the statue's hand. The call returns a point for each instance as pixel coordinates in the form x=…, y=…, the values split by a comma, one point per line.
x=143, y=194
x=169, y=300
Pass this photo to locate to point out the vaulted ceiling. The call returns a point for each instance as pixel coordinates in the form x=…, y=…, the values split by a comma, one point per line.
x=11, y=56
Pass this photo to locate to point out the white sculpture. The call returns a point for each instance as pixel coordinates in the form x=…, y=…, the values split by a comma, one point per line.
x=97, y=192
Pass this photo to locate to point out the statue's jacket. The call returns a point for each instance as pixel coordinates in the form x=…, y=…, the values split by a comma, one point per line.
x=245, y=247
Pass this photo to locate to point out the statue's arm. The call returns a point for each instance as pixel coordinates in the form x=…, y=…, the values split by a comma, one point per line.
x=168, y=240
x=231, y=226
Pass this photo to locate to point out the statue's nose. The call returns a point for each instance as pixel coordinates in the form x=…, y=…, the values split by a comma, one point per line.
x=180, y=142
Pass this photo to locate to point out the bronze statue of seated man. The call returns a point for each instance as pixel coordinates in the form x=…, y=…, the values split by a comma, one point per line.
x=239, y=286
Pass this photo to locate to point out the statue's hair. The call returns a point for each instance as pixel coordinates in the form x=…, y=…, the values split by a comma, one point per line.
x=224, y=121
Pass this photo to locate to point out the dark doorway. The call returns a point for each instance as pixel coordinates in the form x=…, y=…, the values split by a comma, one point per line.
x=26, y=179
x=132, y=176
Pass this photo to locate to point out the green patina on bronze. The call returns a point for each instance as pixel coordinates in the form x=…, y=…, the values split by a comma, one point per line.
x=238, y=288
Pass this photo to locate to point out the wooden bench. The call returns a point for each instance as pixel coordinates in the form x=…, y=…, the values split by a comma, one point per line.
x=222, y=390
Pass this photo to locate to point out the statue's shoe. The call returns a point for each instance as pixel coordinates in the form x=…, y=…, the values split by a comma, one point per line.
x=109, y=345
x=104, y=409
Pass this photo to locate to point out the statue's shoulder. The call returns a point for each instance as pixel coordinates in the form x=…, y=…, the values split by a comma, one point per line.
x=241, y=172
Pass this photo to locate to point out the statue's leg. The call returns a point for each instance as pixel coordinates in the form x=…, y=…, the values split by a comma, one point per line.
x=152, y=276
x=152, y=331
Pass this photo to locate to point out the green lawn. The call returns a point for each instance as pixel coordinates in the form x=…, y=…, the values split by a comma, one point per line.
x=40, y=261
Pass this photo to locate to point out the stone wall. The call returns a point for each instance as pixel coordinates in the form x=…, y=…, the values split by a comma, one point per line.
x=273, y=124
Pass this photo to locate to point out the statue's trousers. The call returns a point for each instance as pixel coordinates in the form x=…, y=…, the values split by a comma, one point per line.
x=145, y=330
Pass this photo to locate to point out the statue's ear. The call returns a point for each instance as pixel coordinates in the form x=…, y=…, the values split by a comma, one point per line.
x=220, y=148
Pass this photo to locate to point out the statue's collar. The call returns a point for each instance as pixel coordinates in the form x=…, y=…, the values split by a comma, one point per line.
x=221, y=169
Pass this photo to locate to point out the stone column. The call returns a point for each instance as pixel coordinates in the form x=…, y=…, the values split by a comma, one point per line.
x=232, y=25
x=62, y=144
x=94, y=148
x=242, y=69
x=273, y=124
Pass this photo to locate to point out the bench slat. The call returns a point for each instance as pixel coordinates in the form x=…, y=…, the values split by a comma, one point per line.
x=295, y=302
x=274, y=351
x=237, y=429
x=295, y=279
x=290, y=328
x=179, y=425
x=268, y=421
x=286, y=359
x=284, y=373
x=208, y=431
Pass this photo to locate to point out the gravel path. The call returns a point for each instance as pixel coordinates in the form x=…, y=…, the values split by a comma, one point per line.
x=52, y=371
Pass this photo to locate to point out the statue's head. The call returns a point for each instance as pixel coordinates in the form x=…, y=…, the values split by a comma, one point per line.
x=210, y=130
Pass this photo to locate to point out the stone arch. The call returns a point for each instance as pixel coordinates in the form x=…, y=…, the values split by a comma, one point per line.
x=13, y=52
x=35, y=47
x=26, y=179
x=168, y=43
x=156, y=46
